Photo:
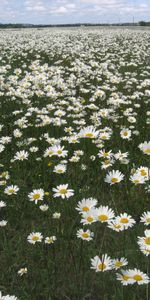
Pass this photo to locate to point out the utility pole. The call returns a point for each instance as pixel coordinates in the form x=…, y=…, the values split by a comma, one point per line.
x=133, y=20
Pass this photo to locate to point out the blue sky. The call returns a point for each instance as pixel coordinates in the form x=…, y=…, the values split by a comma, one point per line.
x=73, y=11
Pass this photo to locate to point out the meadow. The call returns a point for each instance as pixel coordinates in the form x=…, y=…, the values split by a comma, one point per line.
x=74, y=164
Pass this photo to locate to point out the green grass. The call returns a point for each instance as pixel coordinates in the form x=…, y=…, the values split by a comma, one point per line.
x=62, y=270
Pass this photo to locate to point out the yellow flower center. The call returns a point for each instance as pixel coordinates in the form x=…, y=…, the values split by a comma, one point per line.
x=114, y=179
x=148, y=220
x=63, y=191
x=147, y=150
x=89, y=135
x=59, y=152
x=59, y=171
x=35, y=238
x=147, y=240
x=103, y=137
x=50, y=152
x=117, y=226
x=125, y=133
x=118, y=264
x=50, y=241
x=136, y=181
x=124, y=220
x=101, y=266
x=143, y=173
x=103, y=218
x=46, y=193
x=85, y=235
x=105, y=154
x=22, y=156
x=137, y=277
x=11, y=191
x=125, y=277
x=36, y=196
x=85, y=208
x=89, y=219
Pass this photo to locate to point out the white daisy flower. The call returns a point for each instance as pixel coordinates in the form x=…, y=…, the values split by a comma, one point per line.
x=63, y=191
x=88, y=132
x=50, y=240
x=125, y=133
x=44, y=207
x=11, y=190
x=145, y=218
x=119, y=263
x=125, y=277
x=2, y=204
x=145, y=241
x=139, y=277
x=34, y=237
x=89, y=217
x=21, y=155
x=86, y=204
x=3, y=223
x=101, y=264
x=115, y=225
x=136, y=178
x=85, y=235
x=114, y=177
x=125, y=220
x=145, y=147
x=104, y=214
x=36, y=195
x=22, y=271
x=60, y=169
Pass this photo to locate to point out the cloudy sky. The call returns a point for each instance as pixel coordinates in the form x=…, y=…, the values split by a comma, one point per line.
x=73, y=11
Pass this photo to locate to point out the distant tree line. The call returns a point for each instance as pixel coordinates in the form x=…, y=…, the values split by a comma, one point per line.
x=10, y=25
x=143, y=23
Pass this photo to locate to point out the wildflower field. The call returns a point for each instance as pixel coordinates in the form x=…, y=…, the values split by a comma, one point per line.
x=74, y=164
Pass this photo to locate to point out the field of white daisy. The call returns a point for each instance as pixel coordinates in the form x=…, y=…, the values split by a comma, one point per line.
x=75, y=161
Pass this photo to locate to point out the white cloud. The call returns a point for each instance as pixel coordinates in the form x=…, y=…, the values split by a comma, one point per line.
x=71, y=5
x=3, y=2
x=60, y=10
x=103, y=2
x=67, y=8
x=142, y=8
x=113, y=7
x=37, y=6
x=69, y=11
